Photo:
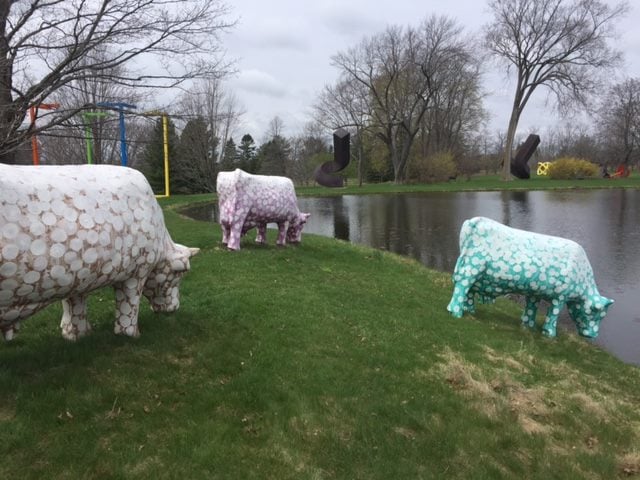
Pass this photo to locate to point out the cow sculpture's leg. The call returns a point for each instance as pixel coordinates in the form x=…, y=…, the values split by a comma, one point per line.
x=530, y=311
x=226, y=230
x=282, y=234
x=235, y=233
x=460, y=299
x=470, y=304
x=551, y=322
x=74, y=323
x=464, y=278
x=127, y=305
x=8, y=331
x=576, y=316
x=261, y=237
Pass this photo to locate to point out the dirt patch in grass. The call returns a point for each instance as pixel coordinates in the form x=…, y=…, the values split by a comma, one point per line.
x=629, y=464
x=405, y=432
x=497, y=389
x=495, y=393
x=306, y=427
x=467, y=379
x=181, y=360
x=529, y=405
x=589, y=403
x=6, y=414
x=146, y=465
x=504, y=360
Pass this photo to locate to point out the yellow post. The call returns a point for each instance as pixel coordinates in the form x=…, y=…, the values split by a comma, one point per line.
x=165, y=147
x=165, y=131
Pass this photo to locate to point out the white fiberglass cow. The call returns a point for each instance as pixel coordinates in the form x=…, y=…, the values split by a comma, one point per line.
x=68, y=230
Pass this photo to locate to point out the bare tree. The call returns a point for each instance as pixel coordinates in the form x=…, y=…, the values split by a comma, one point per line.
x=308, y=150
x=457, y=112
x=559, y=44
x=345, y=105
x=47, y=44
x=619, y=122
x=275, y=128
x=66, y=143
x=401, y=69
x=220, y=107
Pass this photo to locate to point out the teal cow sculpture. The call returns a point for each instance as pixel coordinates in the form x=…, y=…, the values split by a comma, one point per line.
x=495, y=260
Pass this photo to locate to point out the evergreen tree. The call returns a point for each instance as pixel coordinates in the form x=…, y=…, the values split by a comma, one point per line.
x=229, y=156
x=274, y=156
x=153, y=167
x=195, y=162
x=247, y=154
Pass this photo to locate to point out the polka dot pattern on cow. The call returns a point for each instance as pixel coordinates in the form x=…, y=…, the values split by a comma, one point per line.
x=68, y=230
x=247, y=201
x=495, y=260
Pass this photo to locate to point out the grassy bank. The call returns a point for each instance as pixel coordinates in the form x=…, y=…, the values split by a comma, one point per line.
x=475, y=183
x=325, y=360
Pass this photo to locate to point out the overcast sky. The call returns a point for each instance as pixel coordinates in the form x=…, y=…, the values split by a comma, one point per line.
x=283, y=50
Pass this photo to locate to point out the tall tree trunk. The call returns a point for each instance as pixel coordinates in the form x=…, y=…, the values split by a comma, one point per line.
x=7, y=119
x=508, y=148
x=360, y=169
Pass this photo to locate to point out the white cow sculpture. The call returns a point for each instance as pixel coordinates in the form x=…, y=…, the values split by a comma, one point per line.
x=246, y=201
x=68, y=230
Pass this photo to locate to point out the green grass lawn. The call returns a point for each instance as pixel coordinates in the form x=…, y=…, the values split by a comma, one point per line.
x=320, y=361
x=475, y=183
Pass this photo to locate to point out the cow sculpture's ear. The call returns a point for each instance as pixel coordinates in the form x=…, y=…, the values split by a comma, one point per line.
x=600, y=303
x=180, y=258
x=606, y=303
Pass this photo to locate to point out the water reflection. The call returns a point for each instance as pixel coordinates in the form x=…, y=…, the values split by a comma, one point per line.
x=425, y=226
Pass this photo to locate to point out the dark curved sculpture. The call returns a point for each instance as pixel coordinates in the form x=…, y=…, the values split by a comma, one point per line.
x=519, y=165
x=324, y=174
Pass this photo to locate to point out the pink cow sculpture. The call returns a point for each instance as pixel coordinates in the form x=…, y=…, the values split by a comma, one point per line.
x=246, y=201
x=68, y=230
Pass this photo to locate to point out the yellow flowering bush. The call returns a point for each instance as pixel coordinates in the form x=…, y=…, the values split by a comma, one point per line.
x=565, y=168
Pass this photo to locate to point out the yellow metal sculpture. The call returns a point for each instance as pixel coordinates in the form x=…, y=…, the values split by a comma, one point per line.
x=543, y=168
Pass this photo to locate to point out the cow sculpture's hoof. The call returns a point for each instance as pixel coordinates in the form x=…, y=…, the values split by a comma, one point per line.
x=76, y=330
x=128, y=331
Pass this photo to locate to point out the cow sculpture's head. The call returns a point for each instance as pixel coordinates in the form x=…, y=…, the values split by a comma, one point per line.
x=161, y=288
x=294, y=232
x=588, y=314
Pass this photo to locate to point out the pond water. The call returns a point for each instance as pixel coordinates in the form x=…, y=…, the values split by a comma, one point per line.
x=426, y=226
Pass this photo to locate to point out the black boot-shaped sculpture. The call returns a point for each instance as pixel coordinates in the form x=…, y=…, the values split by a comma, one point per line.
x=324, y=173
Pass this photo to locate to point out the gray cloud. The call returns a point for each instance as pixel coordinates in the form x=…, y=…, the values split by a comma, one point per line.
x=275, y=33
x=348, y=21
x=259, y=82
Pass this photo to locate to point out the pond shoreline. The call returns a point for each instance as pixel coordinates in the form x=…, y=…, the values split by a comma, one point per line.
x=422, y=225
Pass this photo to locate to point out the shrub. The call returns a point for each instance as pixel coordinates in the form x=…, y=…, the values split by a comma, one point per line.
x=434, y=168
x=572, y=168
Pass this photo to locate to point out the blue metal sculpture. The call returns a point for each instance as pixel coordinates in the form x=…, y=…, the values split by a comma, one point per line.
x=120, y=106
